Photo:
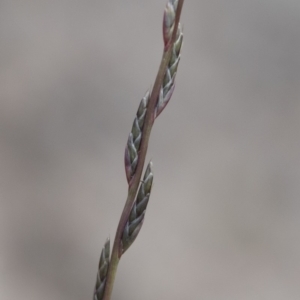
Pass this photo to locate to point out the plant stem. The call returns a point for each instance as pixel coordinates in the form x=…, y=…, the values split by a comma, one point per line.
x=134, y=183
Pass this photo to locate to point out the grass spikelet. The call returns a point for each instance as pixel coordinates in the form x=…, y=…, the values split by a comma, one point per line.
x=137, y=214
x=102, y=271
x=169, y=20
x=168, y=85
x=134, y=139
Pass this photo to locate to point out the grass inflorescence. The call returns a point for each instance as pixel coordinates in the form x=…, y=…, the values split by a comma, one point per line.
x=151, y=105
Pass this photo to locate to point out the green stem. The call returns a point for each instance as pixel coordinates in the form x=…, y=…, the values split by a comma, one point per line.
x=134, y=183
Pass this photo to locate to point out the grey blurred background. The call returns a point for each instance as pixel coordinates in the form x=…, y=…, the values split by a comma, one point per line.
x=224, y=217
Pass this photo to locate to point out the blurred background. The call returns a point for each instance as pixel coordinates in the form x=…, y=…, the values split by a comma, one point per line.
x=224, y=215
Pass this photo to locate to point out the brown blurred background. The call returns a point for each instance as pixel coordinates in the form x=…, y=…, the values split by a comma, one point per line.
x=224, y=217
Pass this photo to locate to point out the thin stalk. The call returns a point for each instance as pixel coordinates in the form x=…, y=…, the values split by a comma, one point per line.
x=134, y=183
